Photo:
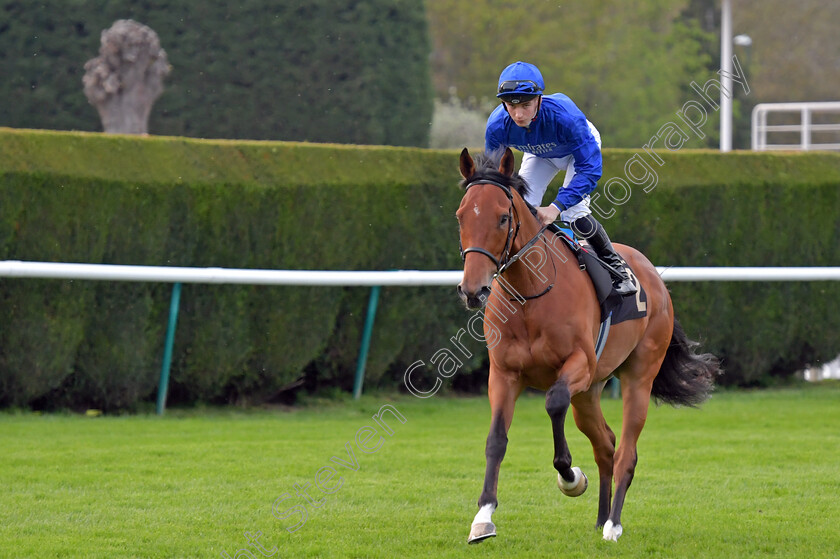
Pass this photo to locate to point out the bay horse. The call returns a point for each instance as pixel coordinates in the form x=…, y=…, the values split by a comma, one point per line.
x=544, y=338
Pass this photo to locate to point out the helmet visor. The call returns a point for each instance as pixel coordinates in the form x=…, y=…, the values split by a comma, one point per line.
x=526, y=87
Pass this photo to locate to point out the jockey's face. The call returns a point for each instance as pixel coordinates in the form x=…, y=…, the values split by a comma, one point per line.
x=523, y=113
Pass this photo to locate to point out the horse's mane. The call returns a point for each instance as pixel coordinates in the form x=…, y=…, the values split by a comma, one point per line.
x=487, y=168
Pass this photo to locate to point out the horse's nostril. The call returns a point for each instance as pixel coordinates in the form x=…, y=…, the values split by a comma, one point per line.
x=474, y=299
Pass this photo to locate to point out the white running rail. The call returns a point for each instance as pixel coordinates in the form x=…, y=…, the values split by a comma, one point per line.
x=805, y=128
x=179, y=275
x=171, y=274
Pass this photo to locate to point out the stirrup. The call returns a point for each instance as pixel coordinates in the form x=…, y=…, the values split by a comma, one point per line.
x=625, y=287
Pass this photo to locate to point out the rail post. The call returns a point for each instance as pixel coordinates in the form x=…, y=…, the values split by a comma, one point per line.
x=373, y=302
x=163, y=385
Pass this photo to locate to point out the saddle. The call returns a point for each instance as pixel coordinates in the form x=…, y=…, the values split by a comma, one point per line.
x=621, y=308
x=614, y=307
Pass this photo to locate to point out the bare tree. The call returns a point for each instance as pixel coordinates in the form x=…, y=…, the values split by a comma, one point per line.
x=126, y=78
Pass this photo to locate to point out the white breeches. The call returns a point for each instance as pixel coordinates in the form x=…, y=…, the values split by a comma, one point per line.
x=539, y=171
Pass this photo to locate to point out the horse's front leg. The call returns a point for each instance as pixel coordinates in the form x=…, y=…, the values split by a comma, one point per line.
x=571, y=481
x=502, y=393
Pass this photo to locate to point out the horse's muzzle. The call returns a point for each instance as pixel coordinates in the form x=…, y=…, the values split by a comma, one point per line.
x=474, y=299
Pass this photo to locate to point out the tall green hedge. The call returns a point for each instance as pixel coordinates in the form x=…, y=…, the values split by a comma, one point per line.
x=315, y=70
x=80, y=197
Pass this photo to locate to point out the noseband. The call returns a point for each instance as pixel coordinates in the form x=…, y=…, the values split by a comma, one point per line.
x=506, y=260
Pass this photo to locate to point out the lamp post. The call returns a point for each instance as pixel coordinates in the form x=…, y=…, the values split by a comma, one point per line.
x=741, y=126
x=742, y=40
x=726, y=90
x=745, y=42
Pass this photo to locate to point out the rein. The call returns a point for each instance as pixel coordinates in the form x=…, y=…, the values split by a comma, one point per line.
x=507, y=260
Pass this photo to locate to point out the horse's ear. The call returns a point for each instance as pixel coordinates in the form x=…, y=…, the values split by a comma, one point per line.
x=507, y=163
x=467, y=164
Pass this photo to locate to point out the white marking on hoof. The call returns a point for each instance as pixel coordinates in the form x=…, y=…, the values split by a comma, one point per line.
x=612, y=532
x=482, y=526
x=484, y=514
x=576, y=487
x=480, y=532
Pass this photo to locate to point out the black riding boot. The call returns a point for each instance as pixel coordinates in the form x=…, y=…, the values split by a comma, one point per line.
x=589, y=228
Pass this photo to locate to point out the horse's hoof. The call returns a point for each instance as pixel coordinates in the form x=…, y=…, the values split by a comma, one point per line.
x=576, y=487
x=481, y=531
x=612, y=531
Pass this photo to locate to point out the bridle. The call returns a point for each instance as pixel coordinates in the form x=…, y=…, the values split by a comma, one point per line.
x=511, y=234
x=506, y=259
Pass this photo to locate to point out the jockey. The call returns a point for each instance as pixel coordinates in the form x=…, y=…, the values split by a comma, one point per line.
x=553, y=135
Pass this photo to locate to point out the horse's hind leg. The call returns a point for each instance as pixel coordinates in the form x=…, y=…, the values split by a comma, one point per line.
x=635, y=397
x=571, y=481
x=637, y=374
x=502, y=397
x=590, y=420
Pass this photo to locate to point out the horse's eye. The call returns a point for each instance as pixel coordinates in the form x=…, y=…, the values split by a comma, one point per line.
x=504, y=220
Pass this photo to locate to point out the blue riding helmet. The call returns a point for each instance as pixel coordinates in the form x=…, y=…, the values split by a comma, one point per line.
x=520, y=82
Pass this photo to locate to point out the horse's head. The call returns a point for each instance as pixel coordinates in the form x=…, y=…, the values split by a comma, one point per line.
x=488, y=222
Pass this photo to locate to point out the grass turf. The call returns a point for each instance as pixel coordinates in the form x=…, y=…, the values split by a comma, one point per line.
x=751, y=474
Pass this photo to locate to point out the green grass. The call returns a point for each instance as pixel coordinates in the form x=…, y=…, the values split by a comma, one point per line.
x=751, y=474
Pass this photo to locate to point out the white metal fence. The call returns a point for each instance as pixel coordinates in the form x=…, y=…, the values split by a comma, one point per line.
x=805, y=128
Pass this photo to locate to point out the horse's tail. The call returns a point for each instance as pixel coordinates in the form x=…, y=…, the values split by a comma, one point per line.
x=685, y=378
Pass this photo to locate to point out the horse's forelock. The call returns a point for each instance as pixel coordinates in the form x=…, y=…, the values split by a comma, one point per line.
x=487, y=168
